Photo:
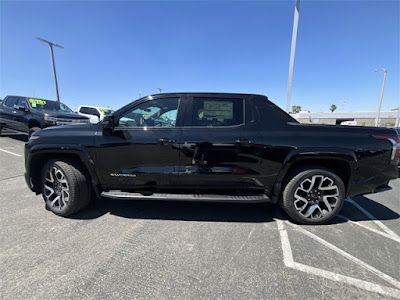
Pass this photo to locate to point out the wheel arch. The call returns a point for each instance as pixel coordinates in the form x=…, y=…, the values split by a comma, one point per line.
x=38, y=158
x=341, y=162
x=34, y=123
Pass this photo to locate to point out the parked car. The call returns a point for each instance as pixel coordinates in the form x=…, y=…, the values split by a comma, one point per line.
x=94, y=113
x=32, y=114
x=210, y=147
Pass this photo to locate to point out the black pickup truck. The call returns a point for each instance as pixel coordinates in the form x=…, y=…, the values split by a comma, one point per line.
x=28, y=115
x=210, y=147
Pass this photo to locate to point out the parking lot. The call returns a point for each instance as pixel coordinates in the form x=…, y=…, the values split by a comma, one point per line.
x=176, y=250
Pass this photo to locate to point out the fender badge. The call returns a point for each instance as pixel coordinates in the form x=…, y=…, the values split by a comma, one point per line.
x=122, y=175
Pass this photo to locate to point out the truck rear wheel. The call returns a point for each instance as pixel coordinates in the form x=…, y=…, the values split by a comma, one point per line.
x=65, y=187
x=313, y=196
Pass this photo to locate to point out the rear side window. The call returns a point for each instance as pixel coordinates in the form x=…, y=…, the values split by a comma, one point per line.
x=215, y=112
x=11, y=101
x=84, y=110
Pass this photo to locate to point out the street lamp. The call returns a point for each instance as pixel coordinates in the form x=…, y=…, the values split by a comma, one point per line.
x=292, y=53
x=380, y=100
x=343, y=102
x=52, y=62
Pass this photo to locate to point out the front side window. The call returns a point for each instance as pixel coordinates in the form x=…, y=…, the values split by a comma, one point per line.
x=210, y=112
x=154, y=113
x=22, y=102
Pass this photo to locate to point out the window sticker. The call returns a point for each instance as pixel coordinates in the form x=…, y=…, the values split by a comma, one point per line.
x=218, y=109
x=37, y=101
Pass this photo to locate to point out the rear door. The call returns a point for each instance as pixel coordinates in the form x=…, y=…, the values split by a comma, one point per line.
x=219, y=145
x=142, y=152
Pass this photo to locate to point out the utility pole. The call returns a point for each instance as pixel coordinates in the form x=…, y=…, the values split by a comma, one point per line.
x=382, y=90
x=52, y=63
x=292, y=53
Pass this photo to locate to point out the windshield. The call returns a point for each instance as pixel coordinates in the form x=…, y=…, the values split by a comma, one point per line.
x=41, y=104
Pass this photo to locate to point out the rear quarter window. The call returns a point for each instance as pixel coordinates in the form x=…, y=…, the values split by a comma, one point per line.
x=11, y=101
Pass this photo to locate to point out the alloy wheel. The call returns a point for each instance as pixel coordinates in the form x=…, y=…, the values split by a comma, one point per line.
x=56, y=189
x=316, y=197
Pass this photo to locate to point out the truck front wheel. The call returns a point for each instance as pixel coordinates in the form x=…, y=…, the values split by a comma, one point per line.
x=313, y=196
x=65, y=188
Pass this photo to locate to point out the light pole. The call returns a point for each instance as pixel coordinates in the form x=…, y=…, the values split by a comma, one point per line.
x=292, y=53
x=52, y=63
x=380, y=100
x=343, y=102
x=397, y=117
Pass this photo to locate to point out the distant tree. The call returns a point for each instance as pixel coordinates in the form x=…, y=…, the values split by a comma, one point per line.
x=296, y=109
x=333, y=108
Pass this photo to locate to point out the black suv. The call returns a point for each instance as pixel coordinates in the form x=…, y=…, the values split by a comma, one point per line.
x=210, y=147
x=31, y=114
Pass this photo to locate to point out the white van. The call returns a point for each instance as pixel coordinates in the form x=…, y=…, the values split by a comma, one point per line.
x=95, y=113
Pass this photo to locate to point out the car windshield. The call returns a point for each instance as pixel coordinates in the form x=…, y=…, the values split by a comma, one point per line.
x=41, y=104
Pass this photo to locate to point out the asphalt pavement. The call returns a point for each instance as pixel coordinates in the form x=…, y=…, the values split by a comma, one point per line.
x=178, y=250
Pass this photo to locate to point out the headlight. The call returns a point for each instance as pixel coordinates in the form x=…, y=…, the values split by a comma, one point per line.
x=34, y=137
x=52, y=120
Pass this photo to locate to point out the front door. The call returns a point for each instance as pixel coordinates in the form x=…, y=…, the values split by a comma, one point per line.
x=142, y=152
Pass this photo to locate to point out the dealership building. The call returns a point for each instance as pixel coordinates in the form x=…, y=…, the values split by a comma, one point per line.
x=361, y=118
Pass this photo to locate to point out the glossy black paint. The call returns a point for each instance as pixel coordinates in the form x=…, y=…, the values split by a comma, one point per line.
x=24, y=119
x=253, y=157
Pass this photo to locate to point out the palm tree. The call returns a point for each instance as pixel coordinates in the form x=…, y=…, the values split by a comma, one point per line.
x=333, y=108
x=296, y=109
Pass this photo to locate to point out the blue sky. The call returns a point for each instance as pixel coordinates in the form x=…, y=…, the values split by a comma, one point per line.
x=116, y=50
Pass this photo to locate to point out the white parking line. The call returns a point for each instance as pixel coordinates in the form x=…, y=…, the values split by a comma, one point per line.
x=316, y=238
x=9, y=152
x=369, y=286
x=377, y=222
x=369, y=228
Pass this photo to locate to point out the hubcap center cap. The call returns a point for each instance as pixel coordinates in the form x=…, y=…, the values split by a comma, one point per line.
x=314, y=196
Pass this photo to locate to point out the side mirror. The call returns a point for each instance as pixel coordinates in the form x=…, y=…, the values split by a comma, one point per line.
x=108, y=125
x=20, y=107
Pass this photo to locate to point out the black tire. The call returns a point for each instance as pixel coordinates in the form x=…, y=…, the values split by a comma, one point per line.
x=1, y=128
x=32, y=130
x=71, y=176
x=316, y=190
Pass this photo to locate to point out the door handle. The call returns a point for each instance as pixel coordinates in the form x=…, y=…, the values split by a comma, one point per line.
x=165, y=141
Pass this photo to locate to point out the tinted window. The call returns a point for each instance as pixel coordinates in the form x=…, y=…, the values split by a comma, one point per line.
x=94, y=111
x=22, y=102
x=84, y=110
x=11, y=101
x=217, y=112
x=154, y=113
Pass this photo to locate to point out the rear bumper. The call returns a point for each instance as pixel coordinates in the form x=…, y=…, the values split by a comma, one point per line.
x=374, y=184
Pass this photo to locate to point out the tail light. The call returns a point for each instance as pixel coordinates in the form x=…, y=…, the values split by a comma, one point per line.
x=395, y=140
